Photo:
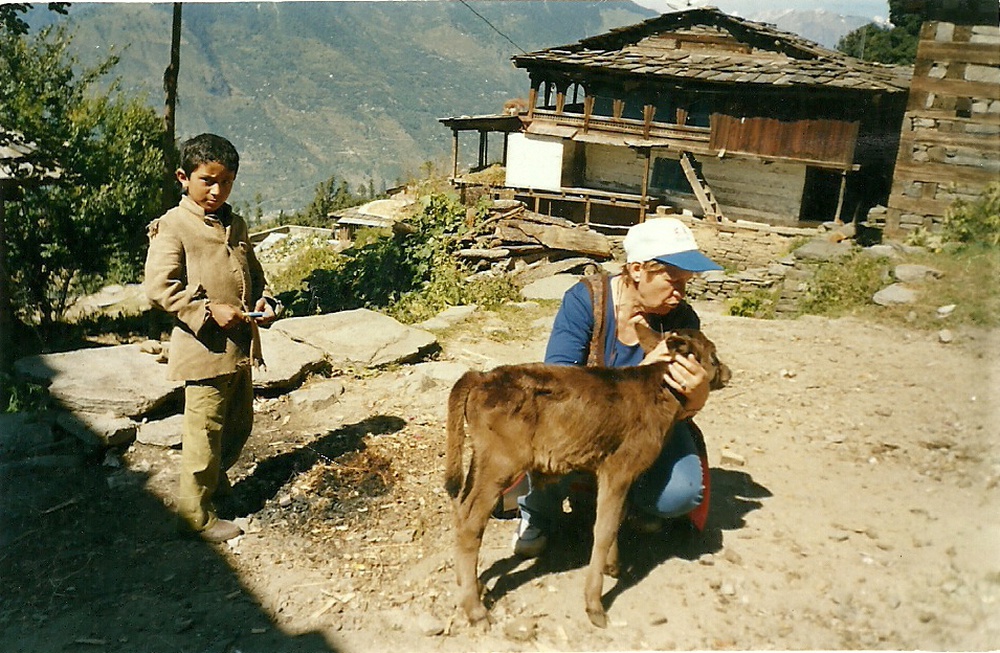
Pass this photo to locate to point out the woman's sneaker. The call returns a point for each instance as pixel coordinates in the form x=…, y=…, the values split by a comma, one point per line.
x=529, y=541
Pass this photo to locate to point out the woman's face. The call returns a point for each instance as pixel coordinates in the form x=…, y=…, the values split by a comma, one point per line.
x=660, y=291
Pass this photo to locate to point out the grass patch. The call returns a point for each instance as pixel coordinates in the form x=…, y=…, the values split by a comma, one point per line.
x=759, y=303
x=970, y=280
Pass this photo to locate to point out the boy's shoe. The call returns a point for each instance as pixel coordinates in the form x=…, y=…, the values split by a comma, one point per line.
x=529, y=541
x=221, y=531
x=642, y=522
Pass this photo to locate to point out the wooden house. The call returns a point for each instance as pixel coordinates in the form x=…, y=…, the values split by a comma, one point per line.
x=950, y=144
x=700, y=110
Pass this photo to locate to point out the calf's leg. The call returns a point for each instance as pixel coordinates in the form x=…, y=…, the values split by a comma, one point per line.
x=472, y=512
x=610, y=504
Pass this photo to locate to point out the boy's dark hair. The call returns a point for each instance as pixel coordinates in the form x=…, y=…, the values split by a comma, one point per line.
x=208, y=148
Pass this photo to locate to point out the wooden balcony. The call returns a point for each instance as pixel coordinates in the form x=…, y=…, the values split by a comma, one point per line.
x=624, y=131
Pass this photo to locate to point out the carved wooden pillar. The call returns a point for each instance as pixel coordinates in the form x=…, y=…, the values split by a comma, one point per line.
x=648, y=112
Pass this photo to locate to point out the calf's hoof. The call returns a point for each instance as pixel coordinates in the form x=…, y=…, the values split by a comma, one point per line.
x=598, y=617
x=478, y=616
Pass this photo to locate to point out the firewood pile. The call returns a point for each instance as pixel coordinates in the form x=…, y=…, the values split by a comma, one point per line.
x=532, y=246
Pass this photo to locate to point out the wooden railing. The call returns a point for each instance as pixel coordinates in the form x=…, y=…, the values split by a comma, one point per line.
x=697, y=137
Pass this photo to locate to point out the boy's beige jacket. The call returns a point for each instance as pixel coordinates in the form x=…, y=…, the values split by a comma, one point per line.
x=193, y=260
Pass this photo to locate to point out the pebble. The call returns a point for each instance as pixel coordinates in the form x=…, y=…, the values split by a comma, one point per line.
x=430, y=626
x=945, y=336
x=729, y=457
x=521, y=629
x=945, y=311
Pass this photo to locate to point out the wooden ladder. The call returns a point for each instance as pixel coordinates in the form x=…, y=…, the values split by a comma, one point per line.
x=709, y=205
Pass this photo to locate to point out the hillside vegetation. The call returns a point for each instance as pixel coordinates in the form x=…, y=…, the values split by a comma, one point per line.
x=308, y=90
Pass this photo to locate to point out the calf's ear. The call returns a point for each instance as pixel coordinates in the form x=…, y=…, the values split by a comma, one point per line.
x=648, y=338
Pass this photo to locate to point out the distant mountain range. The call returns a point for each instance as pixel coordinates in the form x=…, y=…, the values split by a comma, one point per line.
x=307, y=90
x=823, y=27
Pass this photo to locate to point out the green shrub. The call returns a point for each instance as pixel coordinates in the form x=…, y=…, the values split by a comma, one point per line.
x=759, y=303
x=411, y=273
x=842, y=286
x=977, y=221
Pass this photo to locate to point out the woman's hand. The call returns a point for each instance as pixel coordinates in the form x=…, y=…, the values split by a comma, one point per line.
x=686, y=375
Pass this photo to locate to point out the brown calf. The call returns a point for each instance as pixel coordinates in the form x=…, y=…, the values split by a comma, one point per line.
x=554, y=419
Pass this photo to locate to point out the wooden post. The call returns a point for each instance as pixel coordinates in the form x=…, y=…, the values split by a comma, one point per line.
x=617, y=108
x=588, y=110
x=560, y=102
x=586, y=209
x=504, y=155
x=645, y=184
x=532, y=99
x=648, y=112
x=454, y=155
x=169, y=193
x=483, y=146
x=840, y=199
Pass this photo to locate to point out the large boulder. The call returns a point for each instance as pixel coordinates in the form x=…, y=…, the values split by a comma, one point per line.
x=360, y=337
x=121, y=380
x=23, y=435
x=553, y=287
x=287, y=361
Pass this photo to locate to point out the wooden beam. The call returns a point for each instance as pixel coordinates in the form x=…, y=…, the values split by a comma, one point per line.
x=532, y=100
x=645, y=183
x=588, y=111
x=981, y=53
x=840, y=199
x=943, y=173
x=454, y=155
x=560, y=102
x=955, y=88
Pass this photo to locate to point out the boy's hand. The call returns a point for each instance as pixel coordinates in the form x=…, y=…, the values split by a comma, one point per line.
x=225, y=315
x=262, y=306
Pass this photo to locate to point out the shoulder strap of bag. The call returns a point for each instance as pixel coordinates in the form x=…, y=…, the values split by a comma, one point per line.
x=597, y=284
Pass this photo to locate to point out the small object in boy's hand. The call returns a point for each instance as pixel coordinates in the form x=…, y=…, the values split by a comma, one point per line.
x=256, y=314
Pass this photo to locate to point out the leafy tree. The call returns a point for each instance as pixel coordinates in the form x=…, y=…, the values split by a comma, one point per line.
x=898, y=44
x=892, y=45
x=91, y=221
x=10, y=16
x=331, y=195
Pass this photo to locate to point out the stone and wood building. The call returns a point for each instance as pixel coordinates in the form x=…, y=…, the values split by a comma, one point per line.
x=950, y=143
x=702, y=112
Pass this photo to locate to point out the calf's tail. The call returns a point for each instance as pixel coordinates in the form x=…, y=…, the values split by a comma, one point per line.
x=456, y=433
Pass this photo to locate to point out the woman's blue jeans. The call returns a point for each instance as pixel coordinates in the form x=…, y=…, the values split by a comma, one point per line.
x=671, y=487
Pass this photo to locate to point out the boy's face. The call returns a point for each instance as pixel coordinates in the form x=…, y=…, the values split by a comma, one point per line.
x=209, y=185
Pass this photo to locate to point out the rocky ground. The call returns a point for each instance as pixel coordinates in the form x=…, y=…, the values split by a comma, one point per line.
x=854, y=476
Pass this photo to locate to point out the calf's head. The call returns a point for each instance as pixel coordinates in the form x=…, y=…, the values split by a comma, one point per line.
x=683, y=342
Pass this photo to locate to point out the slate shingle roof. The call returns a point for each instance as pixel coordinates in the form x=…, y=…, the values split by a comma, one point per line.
x=719, y=48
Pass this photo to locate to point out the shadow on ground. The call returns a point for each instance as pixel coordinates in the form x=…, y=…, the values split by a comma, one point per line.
x=734, y=495
x=90, y=559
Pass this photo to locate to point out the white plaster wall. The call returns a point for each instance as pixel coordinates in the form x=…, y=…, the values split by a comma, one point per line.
x=614, y=168
x=534, y=161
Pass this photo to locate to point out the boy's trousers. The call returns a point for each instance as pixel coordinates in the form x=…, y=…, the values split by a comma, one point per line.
x=218, y=418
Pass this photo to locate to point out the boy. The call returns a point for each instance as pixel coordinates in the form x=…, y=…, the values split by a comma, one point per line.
x=201, y=268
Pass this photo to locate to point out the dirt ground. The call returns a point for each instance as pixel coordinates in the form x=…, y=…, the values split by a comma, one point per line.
x=855, y=497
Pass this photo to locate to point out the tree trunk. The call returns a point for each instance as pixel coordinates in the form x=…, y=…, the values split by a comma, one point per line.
x=169, y=196
x=6, y=309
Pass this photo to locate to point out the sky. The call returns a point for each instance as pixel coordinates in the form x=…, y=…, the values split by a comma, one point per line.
x=864, y=8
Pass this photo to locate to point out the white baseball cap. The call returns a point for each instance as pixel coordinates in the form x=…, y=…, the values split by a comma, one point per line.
x=667, y=240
